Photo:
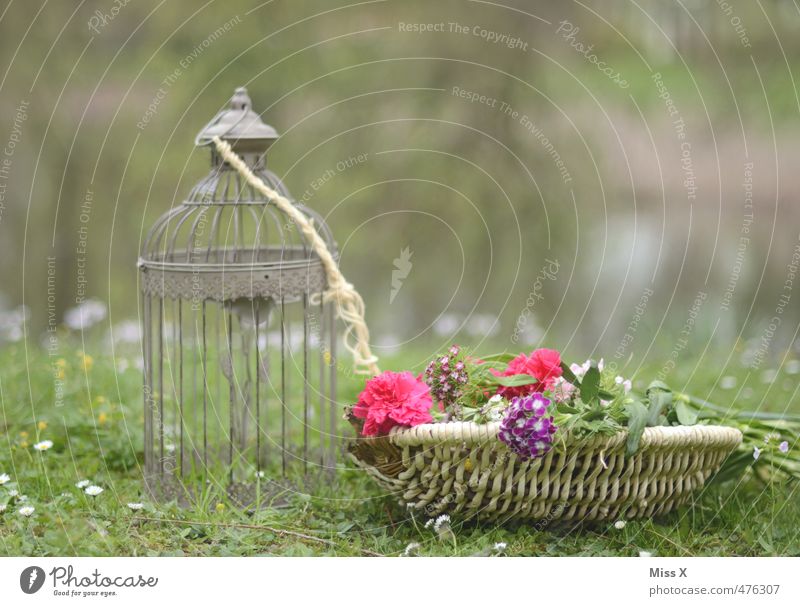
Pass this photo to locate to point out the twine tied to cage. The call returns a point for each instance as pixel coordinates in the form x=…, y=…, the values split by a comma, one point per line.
x=349, y=304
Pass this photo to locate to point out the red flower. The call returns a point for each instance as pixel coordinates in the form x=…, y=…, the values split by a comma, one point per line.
x=543, y=364
x=393, y=398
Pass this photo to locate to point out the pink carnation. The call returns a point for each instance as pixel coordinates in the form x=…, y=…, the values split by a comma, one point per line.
x=544, y=364
x=393, y=398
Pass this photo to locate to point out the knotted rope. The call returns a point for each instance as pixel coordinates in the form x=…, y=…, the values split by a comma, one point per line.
x=349, y=304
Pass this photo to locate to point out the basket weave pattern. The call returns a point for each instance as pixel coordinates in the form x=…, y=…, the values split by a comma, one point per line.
x=462, y=468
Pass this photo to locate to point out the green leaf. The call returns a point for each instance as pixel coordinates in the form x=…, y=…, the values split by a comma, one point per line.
x=686, y=416
x=659, y=400
x=566, y=408
x=515, y=380
x=733, y=468
x=500, y=357
x=590, y=386
x=637, y=421
x=658, y=385
x=568, y=375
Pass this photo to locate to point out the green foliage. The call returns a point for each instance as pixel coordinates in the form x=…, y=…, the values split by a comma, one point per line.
x=755, y=514
x=637, y=421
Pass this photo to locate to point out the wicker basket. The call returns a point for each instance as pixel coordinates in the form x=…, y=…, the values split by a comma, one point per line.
x=463, y=469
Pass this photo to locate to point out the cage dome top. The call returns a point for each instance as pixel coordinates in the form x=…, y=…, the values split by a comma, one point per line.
x=240, y=126
x=227, y=240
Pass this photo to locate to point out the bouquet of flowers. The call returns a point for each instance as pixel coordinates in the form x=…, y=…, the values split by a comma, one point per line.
x=538, y=399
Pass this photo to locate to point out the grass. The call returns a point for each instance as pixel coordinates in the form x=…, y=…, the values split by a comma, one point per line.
x=97, y=435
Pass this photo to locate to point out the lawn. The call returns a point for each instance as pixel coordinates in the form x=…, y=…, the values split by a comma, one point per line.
x=97, y=436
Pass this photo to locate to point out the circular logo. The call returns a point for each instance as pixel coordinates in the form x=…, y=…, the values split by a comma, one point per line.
x=31, y=579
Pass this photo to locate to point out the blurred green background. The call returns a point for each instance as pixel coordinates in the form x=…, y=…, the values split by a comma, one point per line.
x=613, y=179
x=635, y=212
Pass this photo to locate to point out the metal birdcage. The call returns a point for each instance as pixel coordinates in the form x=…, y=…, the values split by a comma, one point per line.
x=239, y=348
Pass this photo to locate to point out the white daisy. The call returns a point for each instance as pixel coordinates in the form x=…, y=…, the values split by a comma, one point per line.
x=93, y=490
x=26, y=511
x=440, y=521
x=411, y=550
x=82, y=484
x=13, y=492
x=500, y=547
x=620, y=524
x=135, y=506
x=4, y=477
x=2, y=507
x=43, y=445
x=429, y=523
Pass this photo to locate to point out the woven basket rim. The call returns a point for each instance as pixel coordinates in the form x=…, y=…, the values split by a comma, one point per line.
x=468, y=433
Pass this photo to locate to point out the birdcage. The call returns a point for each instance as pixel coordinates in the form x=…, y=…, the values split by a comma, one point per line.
x=238, y=344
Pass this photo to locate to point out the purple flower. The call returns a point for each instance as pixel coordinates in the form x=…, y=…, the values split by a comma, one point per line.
x=526, y=428
x=784, y=447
